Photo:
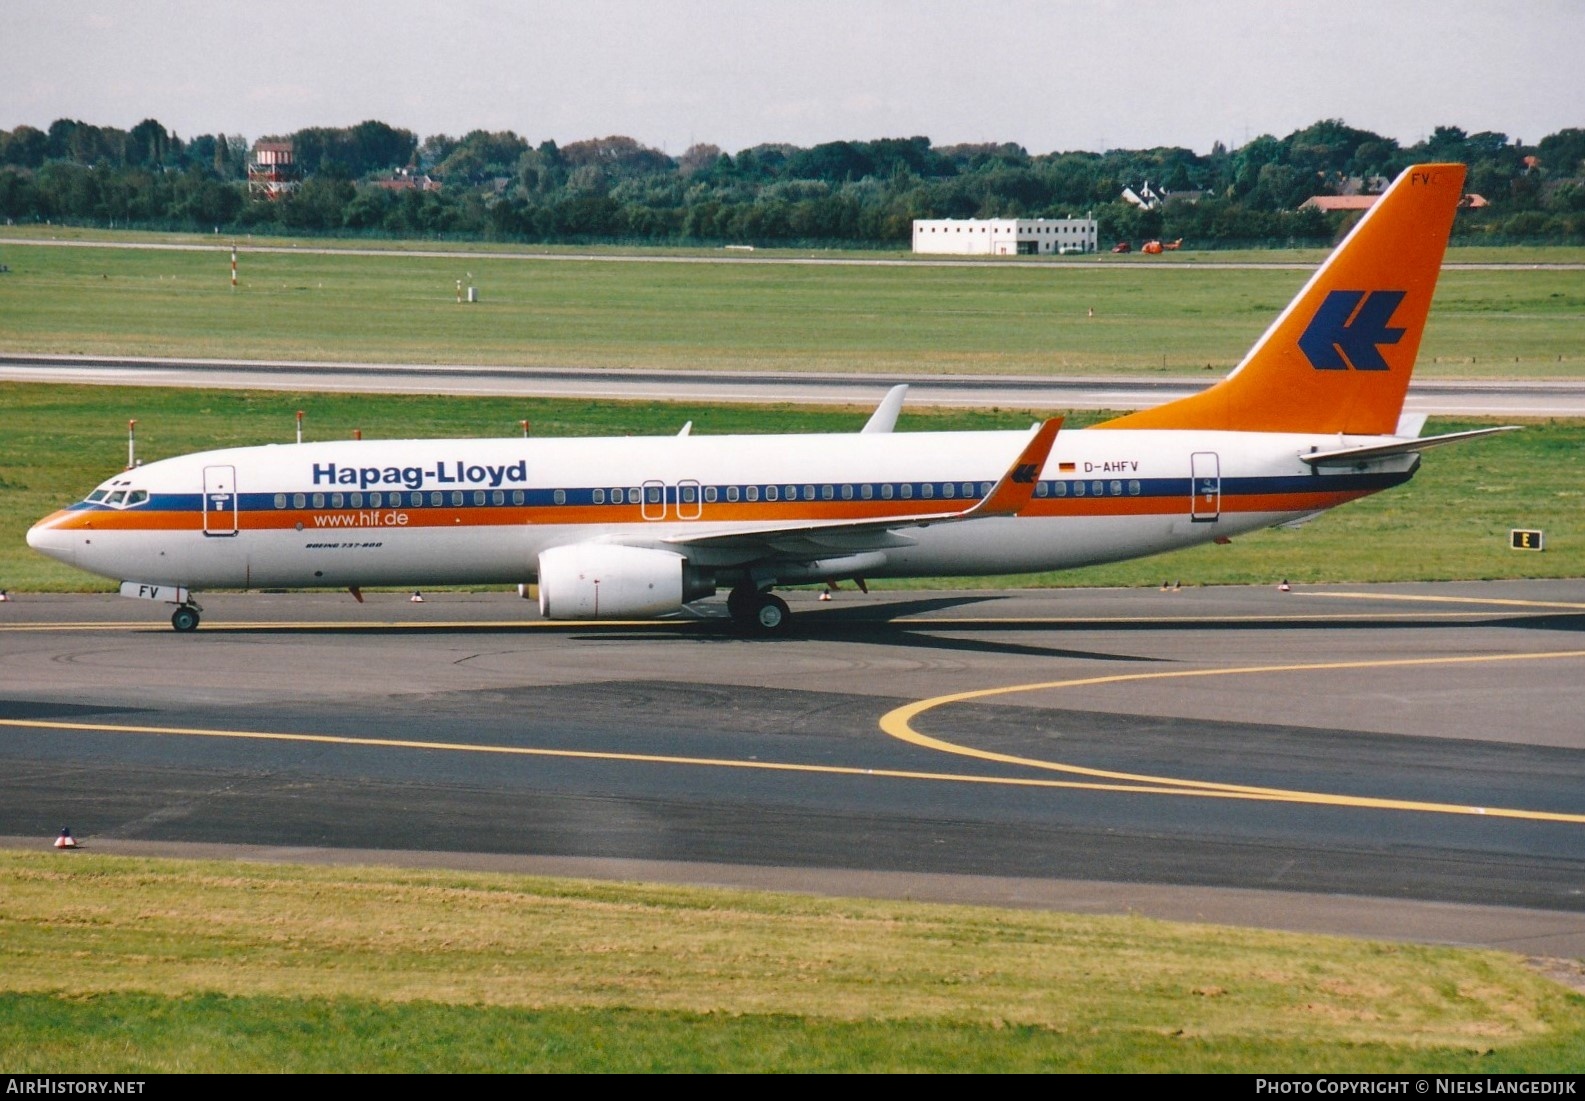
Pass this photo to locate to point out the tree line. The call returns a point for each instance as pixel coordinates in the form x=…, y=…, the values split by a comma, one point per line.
x=377, y=180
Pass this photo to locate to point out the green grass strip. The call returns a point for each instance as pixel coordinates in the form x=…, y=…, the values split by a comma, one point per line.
x=128, y=965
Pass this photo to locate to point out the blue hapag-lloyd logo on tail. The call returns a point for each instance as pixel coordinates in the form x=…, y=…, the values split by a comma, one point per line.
x=1348, y=328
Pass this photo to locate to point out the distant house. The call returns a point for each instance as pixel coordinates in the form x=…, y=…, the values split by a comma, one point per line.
x=1152, y=198
x=1328, y=203
x=1363, y=185
x=1146, y=197
x=408, y=181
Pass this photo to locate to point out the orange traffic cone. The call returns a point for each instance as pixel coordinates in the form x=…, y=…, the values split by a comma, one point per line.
x=65, y=840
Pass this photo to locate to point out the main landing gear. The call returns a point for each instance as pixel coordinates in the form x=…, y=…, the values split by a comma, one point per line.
x=185, y=617
x=763, y=613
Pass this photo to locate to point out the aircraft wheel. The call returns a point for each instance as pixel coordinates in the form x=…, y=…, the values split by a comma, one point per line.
x=741, y=602
x=185, y=618
x=771, y=615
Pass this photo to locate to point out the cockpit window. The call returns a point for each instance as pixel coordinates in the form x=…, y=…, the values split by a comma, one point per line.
x=117, y=497
x=96, y=496
x=137, y=496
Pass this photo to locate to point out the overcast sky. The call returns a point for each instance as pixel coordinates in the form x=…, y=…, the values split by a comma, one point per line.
x=1053, y=75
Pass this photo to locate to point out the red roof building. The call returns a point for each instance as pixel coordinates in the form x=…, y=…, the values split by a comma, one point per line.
x=1339, y=202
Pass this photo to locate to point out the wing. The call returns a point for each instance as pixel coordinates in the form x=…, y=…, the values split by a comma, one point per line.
x=1008, y=497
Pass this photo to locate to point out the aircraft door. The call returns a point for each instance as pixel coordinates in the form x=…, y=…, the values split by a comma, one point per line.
x=652, y=505
x=220, y=500
x=690, y=500
x=1205, y=482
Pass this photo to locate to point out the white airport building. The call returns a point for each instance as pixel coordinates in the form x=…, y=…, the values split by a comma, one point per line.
x=1005, y=236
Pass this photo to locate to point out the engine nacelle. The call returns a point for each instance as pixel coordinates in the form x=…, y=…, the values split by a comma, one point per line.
x=605, y=581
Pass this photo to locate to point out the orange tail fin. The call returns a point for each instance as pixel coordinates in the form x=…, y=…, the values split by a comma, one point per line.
x=1338, y=359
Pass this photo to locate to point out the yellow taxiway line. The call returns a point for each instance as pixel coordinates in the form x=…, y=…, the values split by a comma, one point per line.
x=898, y=724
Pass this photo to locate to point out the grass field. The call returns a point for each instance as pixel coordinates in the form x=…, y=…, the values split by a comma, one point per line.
x=911, y=319
x=134, y=966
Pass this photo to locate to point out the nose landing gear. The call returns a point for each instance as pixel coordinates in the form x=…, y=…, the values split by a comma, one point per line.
x=185, y=617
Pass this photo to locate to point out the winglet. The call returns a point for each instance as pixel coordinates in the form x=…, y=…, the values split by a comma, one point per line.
x=1338, y=358
x=884, y=419
x=1011, y=494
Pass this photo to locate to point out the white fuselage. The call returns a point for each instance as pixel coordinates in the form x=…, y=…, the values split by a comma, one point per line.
x=481, y=511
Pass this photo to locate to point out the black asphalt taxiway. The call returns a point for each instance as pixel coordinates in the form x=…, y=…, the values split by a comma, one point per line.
x=1403, y=761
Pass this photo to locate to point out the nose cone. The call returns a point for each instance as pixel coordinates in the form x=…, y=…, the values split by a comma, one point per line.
x=48, y=537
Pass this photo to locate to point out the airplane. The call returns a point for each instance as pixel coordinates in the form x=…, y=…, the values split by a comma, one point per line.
x=641, y=527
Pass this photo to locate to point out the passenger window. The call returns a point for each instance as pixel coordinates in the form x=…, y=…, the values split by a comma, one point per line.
x=456, y=498
x=376, y=499
x=280, y=500
x=827, y=493
x=1133, y=488
x=886, y=491
x=1117, y=489
x=517, y=496
x=731, y=493
x=337, y=500
x=498, y=497
x=771, y=493
x=709, y=495
x=1041, y=489
x=559, y=497
x=908, y=491
x=356, y=501
x=847, y=493
x=809, y=493
x=1060, y=488
x=1098, y=489
x=949, y=490
x=478, y=496
x=928, y=490
x=688, y=494
x=298, y=500
x=319, y=500
x=968, y=489
x=866, y=491
x=1078, y=489
x=599, y=497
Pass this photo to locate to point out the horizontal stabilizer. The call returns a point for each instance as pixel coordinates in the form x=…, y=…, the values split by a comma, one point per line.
x=1397, y=447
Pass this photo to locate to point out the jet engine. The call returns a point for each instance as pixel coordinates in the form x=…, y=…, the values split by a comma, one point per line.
x=609, y=581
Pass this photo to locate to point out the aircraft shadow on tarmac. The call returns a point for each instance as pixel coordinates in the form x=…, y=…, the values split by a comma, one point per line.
x=888, y=624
